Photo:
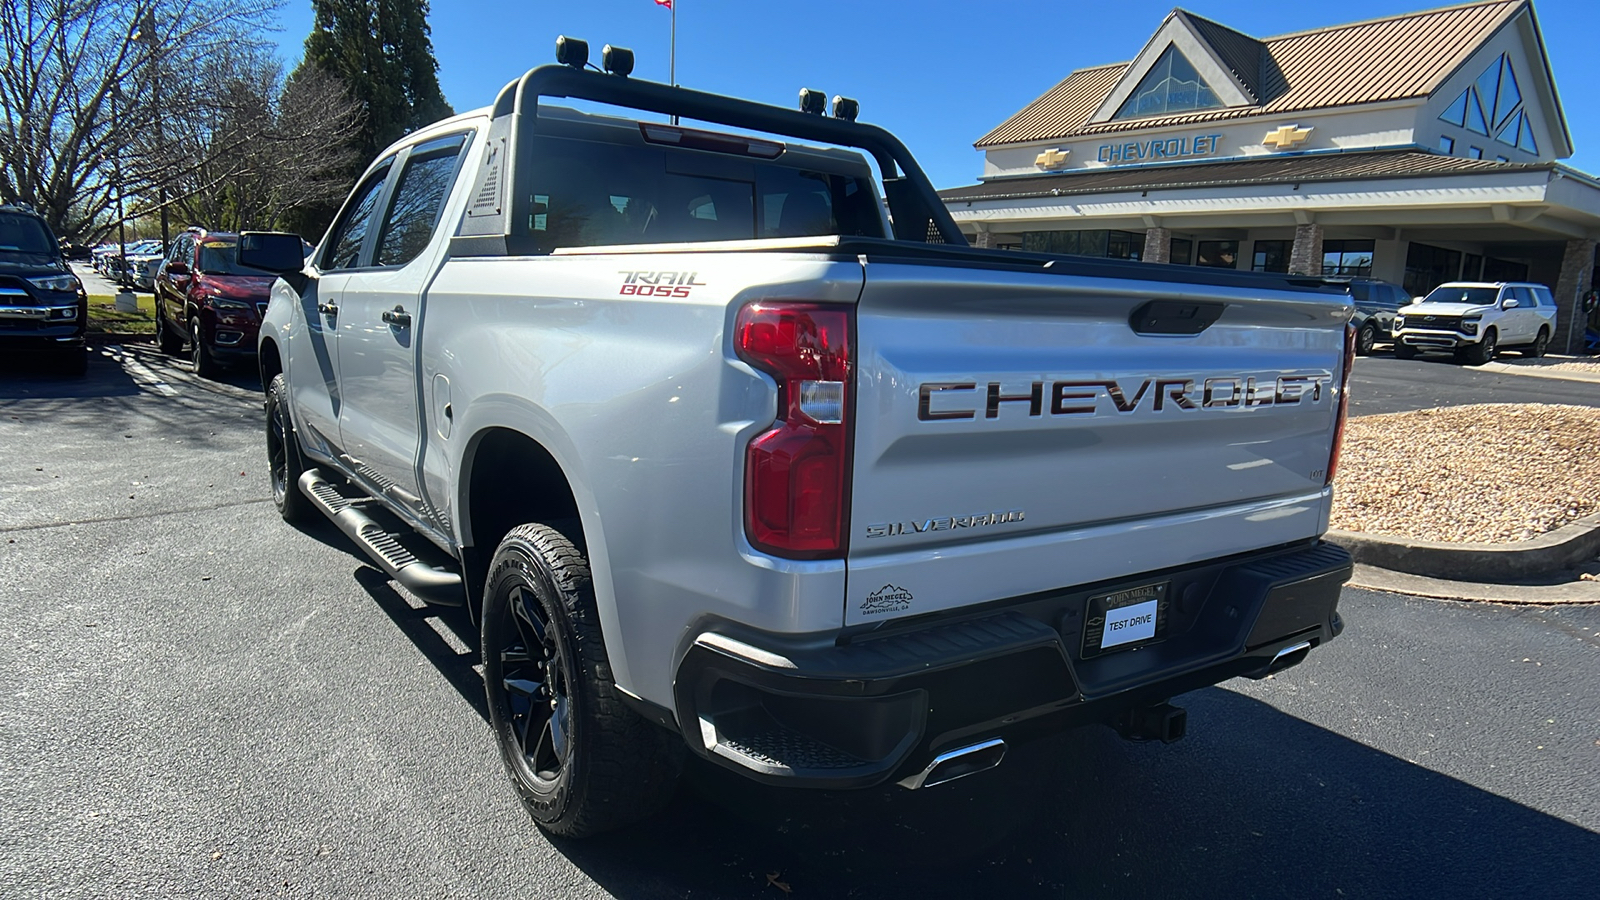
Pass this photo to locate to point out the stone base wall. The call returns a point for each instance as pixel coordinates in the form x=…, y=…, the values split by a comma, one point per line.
x=1306, y=257
x=1158, y=245
x=1577, y=277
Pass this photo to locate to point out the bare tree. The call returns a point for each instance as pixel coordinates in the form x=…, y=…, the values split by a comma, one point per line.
x=79, y=90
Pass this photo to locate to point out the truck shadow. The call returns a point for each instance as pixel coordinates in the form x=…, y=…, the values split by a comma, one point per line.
x=1253, y=803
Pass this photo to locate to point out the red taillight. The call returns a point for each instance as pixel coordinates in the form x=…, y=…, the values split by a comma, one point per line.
x=1344, y=401
x=796, y=475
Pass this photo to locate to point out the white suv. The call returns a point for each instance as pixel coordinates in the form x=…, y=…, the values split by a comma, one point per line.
x=1476, y=319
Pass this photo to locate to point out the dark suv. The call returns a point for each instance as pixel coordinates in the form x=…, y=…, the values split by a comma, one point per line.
x=1376, y=303
x=206, y=300
x=43, y=307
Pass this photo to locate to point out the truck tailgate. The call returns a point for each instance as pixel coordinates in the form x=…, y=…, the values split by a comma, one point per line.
x=1016, y=434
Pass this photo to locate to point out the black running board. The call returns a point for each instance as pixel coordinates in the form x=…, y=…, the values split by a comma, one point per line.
x=432, y=582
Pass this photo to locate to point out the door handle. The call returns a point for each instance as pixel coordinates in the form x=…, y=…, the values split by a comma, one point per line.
x=397, y=317
x=328, y=309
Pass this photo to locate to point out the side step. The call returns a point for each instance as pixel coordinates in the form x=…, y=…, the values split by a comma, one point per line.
x=433, y=583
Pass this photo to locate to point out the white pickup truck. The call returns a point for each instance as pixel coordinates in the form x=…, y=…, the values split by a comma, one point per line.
x=728, y=458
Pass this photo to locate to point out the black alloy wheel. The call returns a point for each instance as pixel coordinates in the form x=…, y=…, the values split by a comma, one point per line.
x=580, y=760
x=1484, y=350
x=284, y=463
x=1540, y=343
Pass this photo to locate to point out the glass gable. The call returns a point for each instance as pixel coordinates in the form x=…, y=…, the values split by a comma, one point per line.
x=1171, y=86
x=1492, y=105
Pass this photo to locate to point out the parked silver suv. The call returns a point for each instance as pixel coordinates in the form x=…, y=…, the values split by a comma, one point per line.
x=1475, y=319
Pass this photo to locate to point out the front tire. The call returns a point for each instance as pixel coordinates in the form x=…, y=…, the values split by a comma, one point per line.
x=1484, y=350
x=205, y=365
x=1404, y=351
x=581, y=762
x=284, y=462
x=1540, y=344
x=1365, y=338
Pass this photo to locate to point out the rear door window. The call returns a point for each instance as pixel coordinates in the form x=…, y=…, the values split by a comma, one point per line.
x=418, y=199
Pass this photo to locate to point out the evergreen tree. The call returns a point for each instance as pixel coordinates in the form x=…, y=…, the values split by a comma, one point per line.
x=381, y=49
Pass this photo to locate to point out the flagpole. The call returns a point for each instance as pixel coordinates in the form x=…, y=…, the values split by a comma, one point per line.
x=672, y=54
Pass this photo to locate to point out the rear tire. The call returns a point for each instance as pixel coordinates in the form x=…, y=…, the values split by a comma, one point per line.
x=1404, y=351
x=285, y=465
x=1540, y=344
x=169, y=343
x=581, y=762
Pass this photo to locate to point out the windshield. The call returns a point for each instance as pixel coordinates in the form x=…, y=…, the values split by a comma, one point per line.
x=590, y=193
x=24, y=234
x=221, y=257
x=1477, y=296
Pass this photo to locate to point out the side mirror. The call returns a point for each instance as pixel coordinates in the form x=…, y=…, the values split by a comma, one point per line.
x=272, y=251
x=1511, y=303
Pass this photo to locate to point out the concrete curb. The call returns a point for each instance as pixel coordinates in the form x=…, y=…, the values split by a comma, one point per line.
x=1373, y=579
x=1533, y=371
x=1568, y=547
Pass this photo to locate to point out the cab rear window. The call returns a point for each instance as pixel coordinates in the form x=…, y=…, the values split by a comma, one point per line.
x=590, y=193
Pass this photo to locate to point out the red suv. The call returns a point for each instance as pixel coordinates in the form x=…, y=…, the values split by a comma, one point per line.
x=206, y=299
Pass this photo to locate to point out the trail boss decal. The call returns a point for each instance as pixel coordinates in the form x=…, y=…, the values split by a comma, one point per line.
x=649, y=283
x=886, y=599
x=950, y=399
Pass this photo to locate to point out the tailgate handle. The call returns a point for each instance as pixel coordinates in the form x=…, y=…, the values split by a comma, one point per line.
x=1175, y=316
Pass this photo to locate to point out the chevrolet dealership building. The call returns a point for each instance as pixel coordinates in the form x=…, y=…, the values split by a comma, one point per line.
x=1416, y=149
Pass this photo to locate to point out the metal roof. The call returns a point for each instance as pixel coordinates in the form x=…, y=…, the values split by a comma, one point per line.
x=1274, y=169
x=1365, y=62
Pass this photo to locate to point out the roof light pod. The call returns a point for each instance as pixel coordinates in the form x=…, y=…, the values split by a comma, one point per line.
x=572, y=52
x=814, y=102
x=617, y=60
x=845, y=108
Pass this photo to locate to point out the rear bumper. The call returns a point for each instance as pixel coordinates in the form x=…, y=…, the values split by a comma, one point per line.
x=884, y=704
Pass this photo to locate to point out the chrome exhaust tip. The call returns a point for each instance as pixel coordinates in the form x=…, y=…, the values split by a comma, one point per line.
x=958, y=764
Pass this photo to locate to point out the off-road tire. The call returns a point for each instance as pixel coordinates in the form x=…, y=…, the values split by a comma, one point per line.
x=1404, y=351
x=205, y=365
x=1484, y=350
x=284, y=462
x=1540, y=344
x=618, y=768
x=169, y=343
x=1366, y=337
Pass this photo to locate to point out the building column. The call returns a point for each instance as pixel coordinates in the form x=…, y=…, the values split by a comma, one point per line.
x=1157, y=244
x=981, y=239
x=1306, y=257
x=1577, y=277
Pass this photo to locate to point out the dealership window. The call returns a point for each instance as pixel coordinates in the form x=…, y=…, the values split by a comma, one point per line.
x=1172, y=85
x=1271, y=256
x=1504, y=270
x=1182, y=251
x=1428, y=266
x=1352, y=258
x=1475, y=153
x=1103, y=244
x=1218, y=254
x=1447, y=144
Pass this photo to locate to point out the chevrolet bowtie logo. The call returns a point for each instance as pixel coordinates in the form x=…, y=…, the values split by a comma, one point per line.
x=1051, y=159
x=1287, y=136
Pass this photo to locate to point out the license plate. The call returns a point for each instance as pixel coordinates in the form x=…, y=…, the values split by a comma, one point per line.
x=1124, y=619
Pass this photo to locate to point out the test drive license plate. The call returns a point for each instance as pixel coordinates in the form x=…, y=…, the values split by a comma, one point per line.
x=1127, y=618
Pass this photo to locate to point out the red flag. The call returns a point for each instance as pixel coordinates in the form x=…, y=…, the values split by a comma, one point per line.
x=666, y=3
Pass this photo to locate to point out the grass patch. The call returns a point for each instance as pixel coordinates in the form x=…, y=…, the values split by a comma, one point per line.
x=104, y=317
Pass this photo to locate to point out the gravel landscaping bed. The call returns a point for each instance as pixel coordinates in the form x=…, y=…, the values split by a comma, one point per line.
x=1488, y=473
x=1591, y=366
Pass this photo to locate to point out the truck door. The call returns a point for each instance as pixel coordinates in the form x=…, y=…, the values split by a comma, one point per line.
x=314, y=373
x=379, y=324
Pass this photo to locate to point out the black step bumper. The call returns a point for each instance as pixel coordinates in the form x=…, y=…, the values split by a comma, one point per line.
x=880, y=706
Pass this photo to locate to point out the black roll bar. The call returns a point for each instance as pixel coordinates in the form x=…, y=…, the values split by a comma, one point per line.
x=913, y=203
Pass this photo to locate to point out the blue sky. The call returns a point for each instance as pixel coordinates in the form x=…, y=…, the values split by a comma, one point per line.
x=938, y=73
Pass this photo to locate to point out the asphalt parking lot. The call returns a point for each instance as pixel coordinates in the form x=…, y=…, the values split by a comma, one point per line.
x=1382, y=384
x=197, y=700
